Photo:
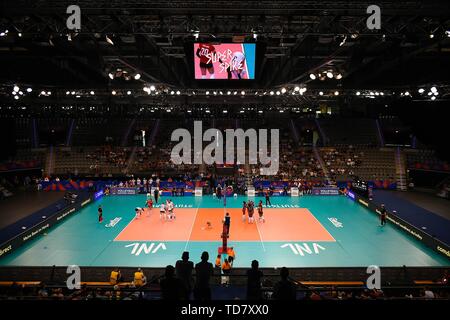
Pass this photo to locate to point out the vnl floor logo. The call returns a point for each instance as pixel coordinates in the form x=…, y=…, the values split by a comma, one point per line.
x=258, y=148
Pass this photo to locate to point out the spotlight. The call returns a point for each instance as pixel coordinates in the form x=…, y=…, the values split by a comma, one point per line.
x=113, y=92
x=109, y=40
x=329, y=74
x=421, y=90
x=433, y=89
x=229, y=92
x=336, y=93
x=406, y=93
x=178, y=92
x=447, y=33
x=17, y=97
x=297, y=88
x=260, y=111
x=435, y=93
x=283, y=90
x=21, y=93
x=215, y=93
x=172, y=92
x=225, y=111
x=432, y=98
x=207, y=92
x=243, y=92
x=29, y=90
x=431, y=36
x=128, y=92
x=20, y=34
x=73, y=92
x=137, y=76
x=321, y=93
x=235, y=93
x=312, y=76
x=278, y=93
x=339, y=76
x=67, y=93
x=49, y=93
x=271, y=93
x=92, y=93
x=16, y=89
x=43, y=93
x=152, y=88
x=430, y=93
x=111, y=76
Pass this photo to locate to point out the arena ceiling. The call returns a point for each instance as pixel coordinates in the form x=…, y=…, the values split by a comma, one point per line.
x=155, y=40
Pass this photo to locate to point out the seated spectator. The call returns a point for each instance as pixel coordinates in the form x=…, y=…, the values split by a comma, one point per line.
x=139, y=278
x=285, y=289
x=115, y=277
x=254, y=277
x=226, y=270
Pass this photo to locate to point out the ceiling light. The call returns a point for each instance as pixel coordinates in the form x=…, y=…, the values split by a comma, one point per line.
x=128, y=92
x=243, y=92
x=92, y=93
x=297, y=88
x=111, y=76
x=109, y=40
x=29, y=89
x=432, y=98
x=339, y=76
x=312, y=76
x=137, y=76
x=336, y=93
x=330, y=74
x=433, y=89
x=421, y=90
x=321, y=93
x=178, y=92
x=16, y=89
x=283, y=90
x=113, y=92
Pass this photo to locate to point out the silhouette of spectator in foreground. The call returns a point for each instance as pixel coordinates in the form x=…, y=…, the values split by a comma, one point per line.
x=183, y=270
x=203, y=270
x=171, y=287
x=285, y=289
x=254, y=277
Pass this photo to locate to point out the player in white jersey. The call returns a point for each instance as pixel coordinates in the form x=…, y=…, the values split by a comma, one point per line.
x=138, y=211
x=162, y=211
x=237, y=66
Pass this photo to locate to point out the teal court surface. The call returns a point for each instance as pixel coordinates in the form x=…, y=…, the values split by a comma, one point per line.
x=307, y=231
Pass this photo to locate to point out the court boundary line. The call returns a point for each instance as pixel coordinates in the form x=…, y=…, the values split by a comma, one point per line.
x=192, y=228
x=309, y=211
x=260, y=237
x=132, y=219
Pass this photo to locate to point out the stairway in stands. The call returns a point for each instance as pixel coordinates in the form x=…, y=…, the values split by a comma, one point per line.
x=49, y=161
x=400, y=169
x=322, y=164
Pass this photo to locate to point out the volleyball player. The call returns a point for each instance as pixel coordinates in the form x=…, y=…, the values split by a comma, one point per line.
x=150, y=205
x=260, y=212
x=171, y=212
x=227, y=222
x=162, y=211
x=138, y=211
x=251, y=208
x=100, y=214
x=244, y=207
x=205, y=52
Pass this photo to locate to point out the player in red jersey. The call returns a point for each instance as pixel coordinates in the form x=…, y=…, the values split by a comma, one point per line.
x=206, y=54
x=149, y=205
x=260, y=212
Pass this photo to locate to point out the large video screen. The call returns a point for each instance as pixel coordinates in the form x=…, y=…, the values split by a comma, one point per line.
x=224, y=61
